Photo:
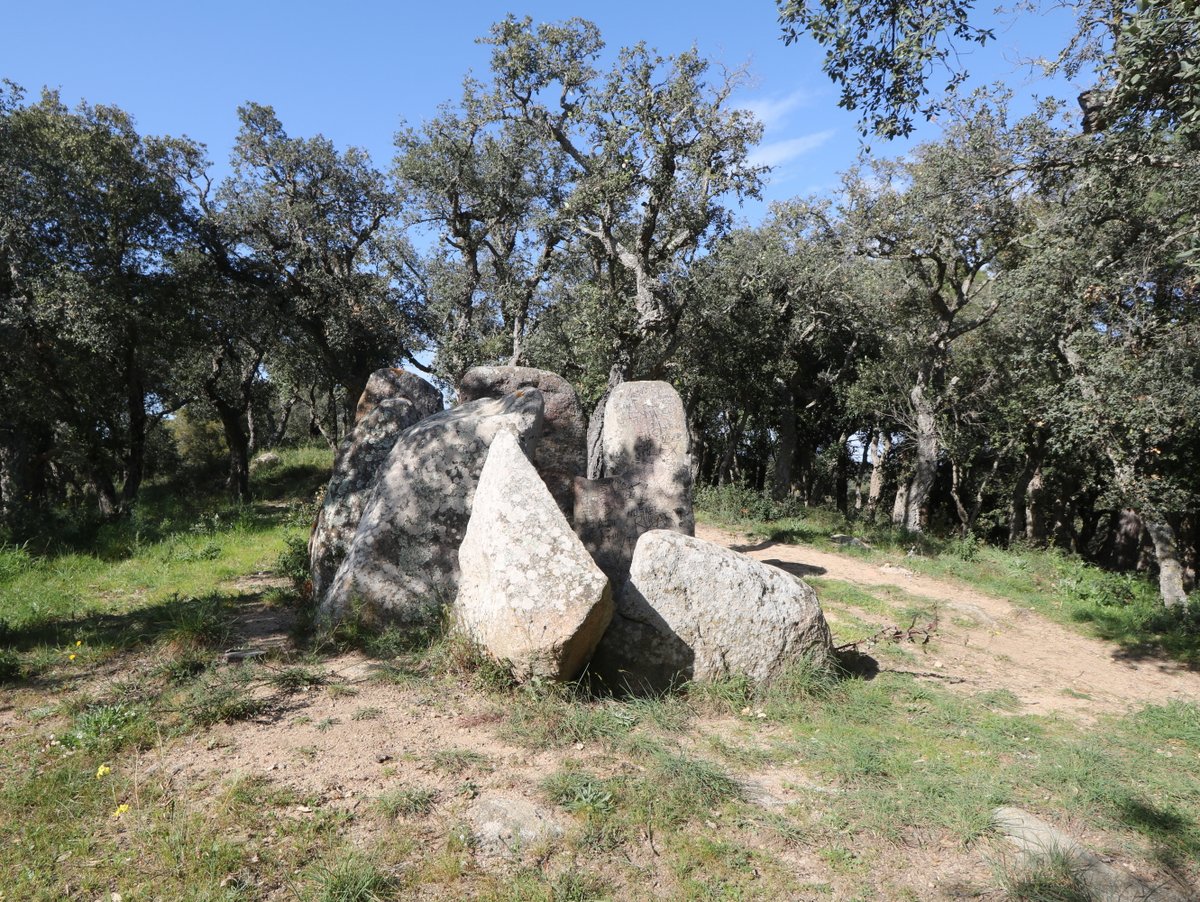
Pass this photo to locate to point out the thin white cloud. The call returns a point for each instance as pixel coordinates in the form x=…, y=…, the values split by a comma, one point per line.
x=776, y=153
x=772, y=111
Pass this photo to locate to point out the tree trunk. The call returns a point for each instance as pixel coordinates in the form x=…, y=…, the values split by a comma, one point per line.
x=785, y=450
x=900, y=505
x=239, y=450
x=861, y=469
x=841, y=475
x=728, y=469
x=135, y=462
x=1017, y=520
x=281, y=429
x=912, y=514
x=1170, y=570
x=1035, y=510
x=878, y=452
x=251, y=429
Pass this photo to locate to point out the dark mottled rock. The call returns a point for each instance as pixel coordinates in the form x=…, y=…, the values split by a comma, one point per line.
x=560, y=455
x=403, y=560
x=356, y=469
x=392, y=382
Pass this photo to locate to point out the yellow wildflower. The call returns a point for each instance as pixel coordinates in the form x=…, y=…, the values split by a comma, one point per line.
x=103, y=771
x=78, y=642
x=121, y=809
x=70, y=657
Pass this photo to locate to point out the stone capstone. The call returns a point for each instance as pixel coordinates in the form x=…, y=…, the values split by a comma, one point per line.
x=392, y=382
x=647, y=475
x=560, y=455
x=356, y=469
x=529, y=593
x=403, y=560
x=693, y=610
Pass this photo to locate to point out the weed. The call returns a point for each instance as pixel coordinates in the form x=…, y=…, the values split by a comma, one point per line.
x=197, y=622
x=11, y=669
x=352, y=878
x=292, y=562
x=294, y=679
x=458, y=761
x=108, y=728
x=367, y=713
x=1052, y=877
x=222, y=702
x=411, y=801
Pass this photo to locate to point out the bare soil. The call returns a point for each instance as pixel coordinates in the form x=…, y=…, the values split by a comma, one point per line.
x=345, y=744
x=987, y=643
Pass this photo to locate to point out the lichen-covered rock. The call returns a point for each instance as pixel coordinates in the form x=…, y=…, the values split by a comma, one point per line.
x=529, y=593
x=693, y=610
x=560, y=455
x=391, y=382
x=403, y=560
x=647, y=481
x=355, y=472
x=508, y=826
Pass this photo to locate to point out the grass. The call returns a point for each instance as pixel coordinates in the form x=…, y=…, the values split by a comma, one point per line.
x=660, y=796
x=1120, y=608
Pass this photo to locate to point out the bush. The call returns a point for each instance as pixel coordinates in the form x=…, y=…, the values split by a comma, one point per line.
x=738, y=501
x=293, y=561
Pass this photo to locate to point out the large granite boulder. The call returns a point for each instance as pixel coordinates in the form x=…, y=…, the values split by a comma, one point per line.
x=356, y=469
x=560, y=455
x=647, y=476
x=693, y=610
x=403, y=561
x=391, y=382
x=529, y=593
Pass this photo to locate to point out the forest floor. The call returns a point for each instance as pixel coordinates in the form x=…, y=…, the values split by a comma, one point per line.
x=139, y=759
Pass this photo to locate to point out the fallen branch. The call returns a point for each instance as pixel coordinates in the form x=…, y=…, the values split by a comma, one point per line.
x=917, y=635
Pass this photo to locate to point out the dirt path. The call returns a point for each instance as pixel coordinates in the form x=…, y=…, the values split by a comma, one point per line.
x=1049, y=668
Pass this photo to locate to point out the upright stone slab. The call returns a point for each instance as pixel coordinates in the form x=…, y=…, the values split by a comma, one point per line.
x=647, y=481
x=356, y=469
x=403, y=562
x=391, y=382
x=560, y=453
x=693, y=610
x=529, y=592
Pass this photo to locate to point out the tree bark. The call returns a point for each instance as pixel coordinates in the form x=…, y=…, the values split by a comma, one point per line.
x=841, y=475
x=135, y=462
x=1170, y=569
x=785, y=450
x=239, y=450
x=912, y=515
x=1017, y=520
x=878, y=452
x=1035, y=510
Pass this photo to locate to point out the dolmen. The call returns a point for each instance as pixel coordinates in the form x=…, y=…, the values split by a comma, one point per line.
x=480, y=517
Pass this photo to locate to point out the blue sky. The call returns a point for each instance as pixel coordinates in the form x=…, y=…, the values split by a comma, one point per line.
x=354, y=70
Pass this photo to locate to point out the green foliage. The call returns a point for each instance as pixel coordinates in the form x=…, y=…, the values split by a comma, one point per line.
x=882, y=54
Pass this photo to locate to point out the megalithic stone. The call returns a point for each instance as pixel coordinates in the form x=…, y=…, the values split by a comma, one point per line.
x=403, y=561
